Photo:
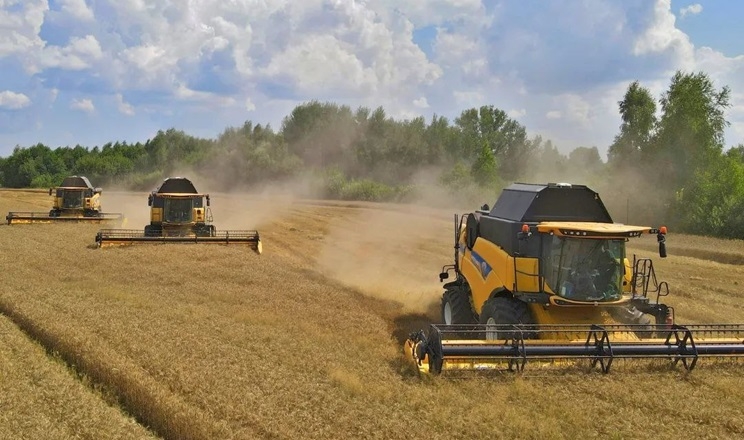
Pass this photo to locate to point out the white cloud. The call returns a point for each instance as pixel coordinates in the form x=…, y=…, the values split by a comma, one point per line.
x=692, y=9
x=516, y=113
x=186, y=94
x=122, y=106
x=662, y=36
x=575, y=108
x=79, y=54
x=20, y=23
x=467, y=99
x=421, y=102
x=13, y=101
x=77, y=8
x=84, y=105
x=560, y=67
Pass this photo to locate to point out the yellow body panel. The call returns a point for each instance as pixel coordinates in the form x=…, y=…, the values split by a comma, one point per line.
x=485, y=268
x=488, y=267
x=527, y=274
x=608, y=229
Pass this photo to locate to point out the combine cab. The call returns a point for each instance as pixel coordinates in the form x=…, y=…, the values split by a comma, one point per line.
x=543, y=276
x=178, y=214
x=75, y=201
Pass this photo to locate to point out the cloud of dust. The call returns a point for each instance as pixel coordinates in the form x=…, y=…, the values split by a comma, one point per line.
x=234, y=204
x=389, y=255
x=133, y=206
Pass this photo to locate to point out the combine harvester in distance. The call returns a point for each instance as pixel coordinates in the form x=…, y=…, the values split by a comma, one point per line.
x=178, y=214
x=75, y=201
x=544, y=276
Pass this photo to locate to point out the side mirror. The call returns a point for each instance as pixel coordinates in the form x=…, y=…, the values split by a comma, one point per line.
x=50, y=191
x=443, y=276
x=207, y=199
x=661, y=238
x=98, y=190
x=149, y=200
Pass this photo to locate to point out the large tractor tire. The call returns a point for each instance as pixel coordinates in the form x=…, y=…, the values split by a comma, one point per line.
x=456, y=308
x=153, y=231
x=501, y=310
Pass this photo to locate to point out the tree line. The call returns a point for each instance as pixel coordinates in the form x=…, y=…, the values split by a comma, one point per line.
x=666, y=164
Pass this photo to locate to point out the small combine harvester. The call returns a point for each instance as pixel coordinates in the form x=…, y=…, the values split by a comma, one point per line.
x=178, y=214
x=543, y=277
x=75, y=201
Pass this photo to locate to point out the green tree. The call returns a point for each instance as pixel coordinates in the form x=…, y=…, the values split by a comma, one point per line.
x=638, y=113
x=713, y=201
x=485, y=167
x=506, y=138
x=690, y=133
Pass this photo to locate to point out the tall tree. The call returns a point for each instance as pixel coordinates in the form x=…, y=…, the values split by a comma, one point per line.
x=504, y=136
x=690, y=133
x=638, y=113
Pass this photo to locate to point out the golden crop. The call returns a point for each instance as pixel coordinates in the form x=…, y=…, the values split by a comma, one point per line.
x=304, y=341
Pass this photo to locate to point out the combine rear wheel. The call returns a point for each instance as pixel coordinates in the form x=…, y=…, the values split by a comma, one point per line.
x=456, y=307
x=501, y=310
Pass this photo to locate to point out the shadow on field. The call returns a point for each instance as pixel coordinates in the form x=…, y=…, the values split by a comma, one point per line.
x=404, y=325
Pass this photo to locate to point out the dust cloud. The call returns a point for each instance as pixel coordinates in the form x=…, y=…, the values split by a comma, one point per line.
x=389, y=255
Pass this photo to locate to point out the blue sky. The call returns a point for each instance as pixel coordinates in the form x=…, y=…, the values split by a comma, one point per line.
x=92, y=71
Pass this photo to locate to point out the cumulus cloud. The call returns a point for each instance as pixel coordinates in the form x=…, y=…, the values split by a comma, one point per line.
x=79, y=54
x=560, y=67
x=122, y=106
x=77, y=9
x=20, y=23
x=84, y=105
x=692, y=9
x=516, y=113
x=13, y=101
x=421, y=102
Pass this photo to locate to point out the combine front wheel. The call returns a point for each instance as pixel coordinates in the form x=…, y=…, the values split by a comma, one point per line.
x=456, y=307
x=502, y=310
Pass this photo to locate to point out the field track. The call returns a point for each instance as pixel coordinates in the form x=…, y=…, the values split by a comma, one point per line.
x=304, y=341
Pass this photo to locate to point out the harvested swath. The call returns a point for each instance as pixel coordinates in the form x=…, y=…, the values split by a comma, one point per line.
x=721, y=250
x=41, y=398
x=303, y=341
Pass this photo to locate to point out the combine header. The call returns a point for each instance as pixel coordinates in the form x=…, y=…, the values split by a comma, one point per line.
x=178, y=214
x=543, y=276
x=75, y=201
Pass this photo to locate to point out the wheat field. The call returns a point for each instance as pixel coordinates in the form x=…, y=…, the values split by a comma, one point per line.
x=304, y=341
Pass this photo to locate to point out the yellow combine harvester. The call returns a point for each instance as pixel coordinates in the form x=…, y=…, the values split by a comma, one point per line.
x=75, y=200
x=178, y=214
x=544, y=276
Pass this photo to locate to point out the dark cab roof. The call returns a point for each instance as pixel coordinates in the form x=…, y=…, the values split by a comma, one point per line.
x=76, y=182
x=534, y=203
x=176, y=185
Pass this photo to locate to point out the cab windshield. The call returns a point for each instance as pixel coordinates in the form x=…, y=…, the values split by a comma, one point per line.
x=72, y=199
x=584, y=269
x=177, y=210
